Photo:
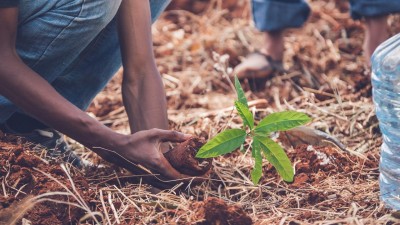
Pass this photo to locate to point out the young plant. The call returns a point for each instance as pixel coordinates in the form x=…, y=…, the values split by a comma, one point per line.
x=229, y=140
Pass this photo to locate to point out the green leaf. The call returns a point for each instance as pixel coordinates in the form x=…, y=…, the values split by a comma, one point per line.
x=277, y=157
x=245, y=113
x=257, y=170
x=282, y=121
x=240, y=93
x=223, y=143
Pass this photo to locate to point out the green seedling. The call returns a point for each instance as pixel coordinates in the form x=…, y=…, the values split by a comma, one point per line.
x=231, y=139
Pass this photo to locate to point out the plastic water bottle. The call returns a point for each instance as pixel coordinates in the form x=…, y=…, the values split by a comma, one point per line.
x=386, y=95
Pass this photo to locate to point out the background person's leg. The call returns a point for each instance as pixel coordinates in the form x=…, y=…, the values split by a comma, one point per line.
x=373, y=8
x=376, y=32
x=275, y=15
x=272, y=17
x=375, y=13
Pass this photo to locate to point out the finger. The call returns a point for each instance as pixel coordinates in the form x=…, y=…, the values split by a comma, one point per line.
x=166, y=170
x=169, y=174
x=168, y=135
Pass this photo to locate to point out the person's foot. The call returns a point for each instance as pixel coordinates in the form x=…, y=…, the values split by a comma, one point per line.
x=263, y=63
x=376, y=32
x=52, y=140
x=257, y=65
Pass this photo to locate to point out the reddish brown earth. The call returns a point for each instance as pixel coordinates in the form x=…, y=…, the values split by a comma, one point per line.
x=217, y=212
x=313, y=165
x=318, y=162
x=20, y=180
x=182, y=158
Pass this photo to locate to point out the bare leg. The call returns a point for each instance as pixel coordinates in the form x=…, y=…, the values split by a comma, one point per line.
x=376, y=32
x=274, y=45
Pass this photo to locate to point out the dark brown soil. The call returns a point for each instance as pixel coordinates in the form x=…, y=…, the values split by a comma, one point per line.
x=218, y=212
x=183, y=159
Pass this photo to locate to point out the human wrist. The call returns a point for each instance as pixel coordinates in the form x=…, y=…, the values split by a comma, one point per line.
x=93, y=134
x=109, y=139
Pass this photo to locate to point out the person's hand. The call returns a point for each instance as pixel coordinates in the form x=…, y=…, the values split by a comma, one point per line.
x=144, y=148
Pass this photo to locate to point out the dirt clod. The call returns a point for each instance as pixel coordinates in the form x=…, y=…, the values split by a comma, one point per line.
x=182, y=158
x=217, y=212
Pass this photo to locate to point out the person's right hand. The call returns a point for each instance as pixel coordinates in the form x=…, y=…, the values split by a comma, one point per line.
x=143, y=148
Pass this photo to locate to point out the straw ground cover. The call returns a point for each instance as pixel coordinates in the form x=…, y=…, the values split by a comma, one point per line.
x=325, y=78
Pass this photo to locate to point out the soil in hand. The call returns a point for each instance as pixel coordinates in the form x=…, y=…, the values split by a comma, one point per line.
x=183, y=159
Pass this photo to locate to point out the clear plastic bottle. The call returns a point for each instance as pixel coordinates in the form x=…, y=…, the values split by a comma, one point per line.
x=386, y=95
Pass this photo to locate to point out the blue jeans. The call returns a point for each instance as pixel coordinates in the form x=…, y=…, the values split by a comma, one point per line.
x=273, y=15
x=73, y=44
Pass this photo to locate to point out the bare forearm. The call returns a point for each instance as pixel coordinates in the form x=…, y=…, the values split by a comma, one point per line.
x=145, y=103
x=143, y=90
x=134, y=24
x=38, y=98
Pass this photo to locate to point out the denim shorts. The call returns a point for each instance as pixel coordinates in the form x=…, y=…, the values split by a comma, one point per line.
x=272, y=15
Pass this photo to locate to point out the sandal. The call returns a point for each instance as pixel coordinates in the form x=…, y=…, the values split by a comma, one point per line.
x=257, y=65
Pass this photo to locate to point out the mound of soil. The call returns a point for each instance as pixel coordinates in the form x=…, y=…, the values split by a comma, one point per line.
x=20, y=179
x=217, y=212
x=182, y=158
